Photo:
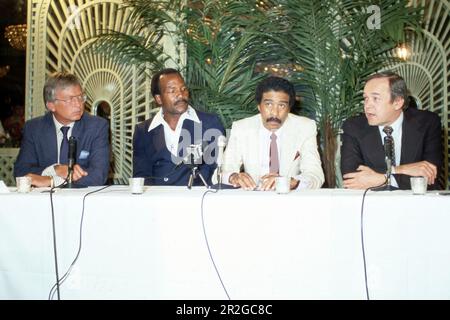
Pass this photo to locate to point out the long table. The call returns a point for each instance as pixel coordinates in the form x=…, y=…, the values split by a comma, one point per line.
x=263, y=245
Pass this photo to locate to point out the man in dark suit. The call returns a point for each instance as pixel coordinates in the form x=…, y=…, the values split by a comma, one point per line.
x=416, y=138
x=161, y=143
x=44, y=150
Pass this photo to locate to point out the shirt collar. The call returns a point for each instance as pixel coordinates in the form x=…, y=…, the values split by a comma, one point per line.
x=59, y=125
x=158, y=119
x=396, y=125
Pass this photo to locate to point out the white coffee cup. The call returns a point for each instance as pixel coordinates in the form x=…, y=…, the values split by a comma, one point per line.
x=418, y=185
x=136, y=185
x=282, y=184
x=23, y=184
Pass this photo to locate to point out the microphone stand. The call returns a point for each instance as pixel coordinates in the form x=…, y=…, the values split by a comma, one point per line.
x=72, y=161
x=221, y=143
x=219, y=176
x=387, y=186
x=70, y=184
x=195, y=172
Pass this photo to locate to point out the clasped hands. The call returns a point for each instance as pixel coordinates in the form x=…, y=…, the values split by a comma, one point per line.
x=266, y=182
x=62, y=170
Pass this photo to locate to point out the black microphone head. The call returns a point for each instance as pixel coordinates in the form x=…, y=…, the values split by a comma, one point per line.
x=387, y=147
x=72, y=156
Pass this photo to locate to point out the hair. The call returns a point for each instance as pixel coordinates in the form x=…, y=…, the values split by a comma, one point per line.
x=397, y=85
x=273, y=83
x=155, y=88
x=58, y=80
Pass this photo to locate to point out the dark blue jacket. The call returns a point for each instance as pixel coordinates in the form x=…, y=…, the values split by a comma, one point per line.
x=39, y=147
x=152, y=159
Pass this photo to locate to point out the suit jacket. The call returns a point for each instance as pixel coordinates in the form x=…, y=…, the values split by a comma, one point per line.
x=299, y=154
x=153, y=161
x=39, y=147
x=421, y=140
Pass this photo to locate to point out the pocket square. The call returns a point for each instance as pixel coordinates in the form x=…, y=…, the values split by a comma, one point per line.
x=84, y=154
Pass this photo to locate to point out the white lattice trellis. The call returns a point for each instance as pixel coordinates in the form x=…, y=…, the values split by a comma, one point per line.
x=427, y=69
x=7, y=158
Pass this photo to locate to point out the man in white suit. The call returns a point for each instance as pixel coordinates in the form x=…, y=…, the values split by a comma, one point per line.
x=273, y=143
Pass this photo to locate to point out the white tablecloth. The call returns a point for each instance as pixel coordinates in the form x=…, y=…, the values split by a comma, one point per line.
x=303, y=245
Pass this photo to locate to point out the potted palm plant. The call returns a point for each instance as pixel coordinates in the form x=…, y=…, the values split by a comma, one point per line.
x=330, y=46
x=338, y=43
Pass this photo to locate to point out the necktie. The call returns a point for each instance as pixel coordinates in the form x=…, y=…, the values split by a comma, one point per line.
x=388, y=130
x=274, y=163
x=64, y=149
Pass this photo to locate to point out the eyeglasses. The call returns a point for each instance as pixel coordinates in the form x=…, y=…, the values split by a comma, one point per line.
x=81, y=98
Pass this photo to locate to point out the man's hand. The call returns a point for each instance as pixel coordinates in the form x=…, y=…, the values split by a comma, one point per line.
x=294, y=183
x=242, y=180
x=421, y=168
x=268, y=181
x=39, y=181
x=78, y=172
x=363, y=178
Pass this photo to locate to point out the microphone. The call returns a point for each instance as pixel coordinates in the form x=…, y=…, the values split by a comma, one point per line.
x=72, y=156
x=221, y=143
x=194, y=154
x=388, y=158
x=388, y=148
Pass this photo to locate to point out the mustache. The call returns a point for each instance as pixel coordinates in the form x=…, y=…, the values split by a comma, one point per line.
x=182, y=100
x=273, y=119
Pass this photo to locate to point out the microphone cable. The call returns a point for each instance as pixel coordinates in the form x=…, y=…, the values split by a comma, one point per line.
x=207, y=242
x=55, y=251
x=362, y=235
x=59, y=282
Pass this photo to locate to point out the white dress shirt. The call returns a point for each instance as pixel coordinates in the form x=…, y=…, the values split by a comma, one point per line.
x=264, y=142
x=173, y=136
x=50, y=170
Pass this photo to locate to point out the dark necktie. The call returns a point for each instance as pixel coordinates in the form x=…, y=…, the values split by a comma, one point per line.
x=64, y=149
x=388, y=130
x=274, y=163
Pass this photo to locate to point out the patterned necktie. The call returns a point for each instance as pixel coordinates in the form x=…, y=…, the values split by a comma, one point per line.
x=388, y=130
x=64, y=149
x=274, y=163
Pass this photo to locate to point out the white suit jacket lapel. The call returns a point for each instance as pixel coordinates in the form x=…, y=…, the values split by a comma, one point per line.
x=289, y=147
x=254, y=147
